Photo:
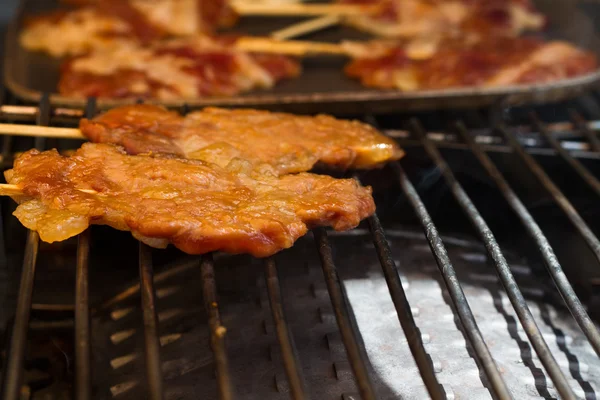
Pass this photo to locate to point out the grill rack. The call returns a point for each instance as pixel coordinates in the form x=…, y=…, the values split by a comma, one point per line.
x=13, y=373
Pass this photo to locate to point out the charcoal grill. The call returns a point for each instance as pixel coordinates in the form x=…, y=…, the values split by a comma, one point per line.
x=403, y=350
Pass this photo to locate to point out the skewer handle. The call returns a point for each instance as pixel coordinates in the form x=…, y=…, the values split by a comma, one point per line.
x=37, y=131
x=7, y=189
x=288, y=47
x=306, y=27
x=299, y=9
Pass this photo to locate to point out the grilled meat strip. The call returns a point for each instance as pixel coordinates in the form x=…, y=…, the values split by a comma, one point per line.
x=287, y=142
x=492, y=62
x=183, y=68
x=105, y=23
x=468, y=19
x=197, y=206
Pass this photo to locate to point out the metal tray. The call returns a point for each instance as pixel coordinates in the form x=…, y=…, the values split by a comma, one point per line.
x=323, y=87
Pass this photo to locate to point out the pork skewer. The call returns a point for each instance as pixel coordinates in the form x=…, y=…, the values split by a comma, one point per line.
x=286, y=143
x=104, y=25
x=187, y=68
x=196, y=206
x=276, y=9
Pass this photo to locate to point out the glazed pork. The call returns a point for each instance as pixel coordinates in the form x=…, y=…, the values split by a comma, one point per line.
x=467, y=19
x=103, y=24
x=197, y=206
x=288, y=143
x=493, y=62
x=184, y=68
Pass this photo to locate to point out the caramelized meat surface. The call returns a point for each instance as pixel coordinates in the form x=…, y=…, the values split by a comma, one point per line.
x=197, y=206
x=183, y=68
x=489, y=63
x=289, y=143
x=468, y=19
x=102, y=24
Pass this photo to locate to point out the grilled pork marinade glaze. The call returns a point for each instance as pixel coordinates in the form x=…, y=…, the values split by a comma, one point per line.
x=289, y=143
x=437, y=19
x=492, y=62
x=183, y=68
x=197, y=206
x=106, y=23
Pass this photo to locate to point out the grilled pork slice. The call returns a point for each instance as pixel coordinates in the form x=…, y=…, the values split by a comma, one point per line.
x=177, y=69
x=289, y=143
x=102, y=24
x=490, y=63
x=469, y=19
x=197, y=206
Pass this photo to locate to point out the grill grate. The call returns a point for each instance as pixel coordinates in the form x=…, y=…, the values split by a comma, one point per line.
x=456, y=292
x=289, y=353
x=83, y=380
x=507, y=278
x=209, y=289
x=13, y=371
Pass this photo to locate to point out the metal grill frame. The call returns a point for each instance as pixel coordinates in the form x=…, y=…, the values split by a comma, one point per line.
x=13, y=373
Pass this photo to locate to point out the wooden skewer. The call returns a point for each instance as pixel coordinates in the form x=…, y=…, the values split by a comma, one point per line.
x=6, y=189
x=289, y=47
x=306, y=27
x=9, y=190
x=36, y=131
x=300, y=9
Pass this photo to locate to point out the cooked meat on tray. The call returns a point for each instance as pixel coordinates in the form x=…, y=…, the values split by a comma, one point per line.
x=73, y=32
x=490, y=63
x=447, y=18
x=183, y=68
x=197, y=206
x=289, y=143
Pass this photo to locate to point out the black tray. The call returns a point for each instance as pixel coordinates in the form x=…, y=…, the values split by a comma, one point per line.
x=323, y=86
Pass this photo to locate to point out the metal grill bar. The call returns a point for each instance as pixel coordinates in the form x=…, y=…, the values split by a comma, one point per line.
x=134, y=289
x=506, y=277
x=6, y=161
x=413, y=335
x=583, y=228
x=574, y=163
x=83, y=379
x=552, y=264
x=584, y=128
x=482, y=353
x=43, y=118
x=83, y=354
x=288, y=351
x=6, y=140
x=217, y=331
x=342, y=316
x=16, y=352
x=151, y=340
x=447, y=143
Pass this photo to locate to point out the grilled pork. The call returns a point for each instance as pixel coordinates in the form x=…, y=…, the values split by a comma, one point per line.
x=493, y=62
x=184, y=68
x=197, y=206
x=288, y=143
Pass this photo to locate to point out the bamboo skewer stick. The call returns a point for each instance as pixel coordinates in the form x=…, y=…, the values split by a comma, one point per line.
x=6, y=189
x=306, y=27
x=300, y=9
x=289, y=47
x=9, y=190
x=36, y=131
